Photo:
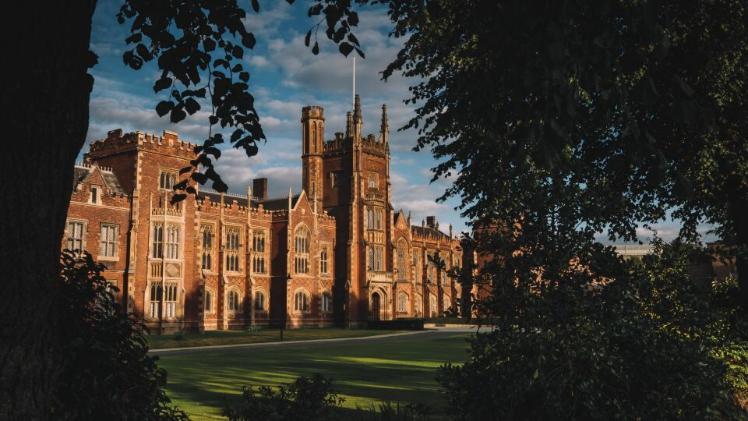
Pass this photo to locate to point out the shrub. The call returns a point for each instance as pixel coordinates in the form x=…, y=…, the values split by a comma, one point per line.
x=640, y=345
x=305, y=399
x=108, y=373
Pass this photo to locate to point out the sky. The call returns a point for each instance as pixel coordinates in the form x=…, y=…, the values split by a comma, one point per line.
x=285, y=76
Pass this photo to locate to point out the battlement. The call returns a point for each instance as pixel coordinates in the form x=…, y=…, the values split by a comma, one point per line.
x=373, y=146
x=312, y=111
x=90, y=165
x=116, y=142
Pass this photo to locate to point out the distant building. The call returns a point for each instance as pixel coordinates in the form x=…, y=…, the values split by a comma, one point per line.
x=337, y=252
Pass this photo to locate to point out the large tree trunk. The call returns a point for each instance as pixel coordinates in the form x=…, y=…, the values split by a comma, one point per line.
x=45, y=118
x=738, y=209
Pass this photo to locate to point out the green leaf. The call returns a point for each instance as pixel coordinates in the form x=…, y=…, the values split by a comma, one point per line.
x=307, y=37
x=315, y=48
x=256, y=6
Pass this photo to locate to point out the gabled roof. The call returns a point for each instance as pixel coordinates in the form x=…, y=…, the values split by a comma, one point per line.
x=280, y=203
x=426, y=231
x=83, y=171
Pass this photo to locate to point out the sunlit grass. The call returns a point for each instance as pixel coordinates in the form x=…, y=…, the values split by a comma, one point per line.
x=364, y=372
x=233, y=337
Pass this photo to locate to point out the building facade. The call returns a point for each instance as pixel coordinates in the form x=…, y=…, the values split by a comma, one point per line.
x=336, y=253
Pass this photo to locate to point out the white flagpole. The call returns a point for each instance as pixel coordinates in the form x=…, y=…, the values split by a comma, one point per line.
x=353, y=97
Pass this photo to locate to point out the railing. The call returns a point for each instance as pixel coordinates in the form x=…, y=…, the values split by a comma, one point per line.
x=379, y=277
x=166, y=211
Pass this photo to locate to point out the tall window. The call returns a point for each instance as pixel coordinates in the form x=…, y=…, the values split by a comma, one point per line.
x=432, y=306
x=232, y=249
x=378, y=217
x=75, y=235
x=401, y=262
x=157, y=243
x=301, y=302
x=108, y=240
x=326, y=302
x=374, y=218
x=373, y=181
x=376, y=258
x=167, y=180
x=323, y=261
x=155, y=300
x=258, y=258
x=234, y=304
x=170, y=301
x=172, y=242
x=208, y=301
x=301, y=249
x=207, y=256
x=259, y=301
x=402, y=302
x=94, y=194
x=430, y=269
x=416, y=256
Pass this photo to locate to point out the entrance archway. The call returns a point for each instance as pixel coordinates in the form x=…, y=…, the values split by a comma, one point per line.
x=375, y=306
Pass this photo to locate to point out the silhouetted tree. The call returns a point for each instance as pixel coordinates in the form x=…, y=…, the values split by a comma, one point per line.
x=46, y=104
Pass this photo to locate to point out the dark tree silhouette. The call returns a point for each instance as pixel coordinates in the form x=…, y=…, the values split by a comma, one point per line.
x=45, y=103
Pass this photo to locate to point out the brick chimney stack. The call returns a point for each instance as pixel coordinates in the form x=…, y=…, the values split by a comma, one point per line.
x=260, y=188
x=431, y=221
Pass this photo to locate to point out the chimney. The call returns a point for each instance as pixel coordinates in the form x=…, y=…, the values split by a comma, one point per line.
x=260, y=188
x=431, y=221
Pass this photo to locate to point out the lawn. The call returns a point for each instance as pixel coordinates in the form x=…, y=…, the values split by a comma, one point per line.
x=231, y=337
x=364, y=372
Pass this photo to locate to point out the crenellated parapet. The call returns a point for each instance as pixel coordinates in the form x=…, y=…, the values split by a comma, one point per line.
x=117, y=142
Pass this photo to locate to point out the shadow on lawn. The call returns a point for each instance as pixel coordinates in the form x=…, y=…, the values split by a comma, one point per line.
x=393, y=369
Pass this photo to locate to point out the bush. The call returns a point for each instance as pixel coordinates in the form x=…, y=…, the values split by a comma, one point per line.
x=305, y=399
x=108, y=373
x=640, y=345
x=313, y=399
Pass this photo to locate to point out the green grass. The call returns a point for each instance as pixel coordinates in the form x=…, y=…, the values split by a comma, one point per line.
x=365, y=373
x=230, y=337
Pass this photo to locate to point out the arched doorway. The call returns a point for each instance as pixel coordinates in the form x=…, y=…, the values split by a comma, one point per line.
x=375, y=306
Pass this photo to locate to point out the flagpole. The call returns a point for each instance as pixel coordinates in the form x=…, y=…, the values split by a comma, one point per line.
x=353, y=96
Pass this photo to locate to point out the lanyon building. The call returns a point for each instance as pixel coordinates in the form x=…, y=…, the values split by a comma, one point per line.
x=336, y=253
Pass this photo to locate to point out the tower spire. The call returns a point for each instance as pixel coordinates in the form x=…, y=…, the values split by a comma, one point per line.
x=358, y=121
x=353, y=95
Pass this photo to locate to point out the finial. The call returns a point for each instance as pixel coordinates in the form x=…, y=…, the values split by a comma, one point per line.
x=290, y=194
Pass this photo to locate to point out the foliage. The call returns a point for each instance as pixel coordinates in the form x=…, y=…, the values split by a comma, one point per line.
x=394, y=412
x=637, y=347
x=198, y=40
x=635, y=108
x=312, y=398
x=108, y=373
x=304, y=399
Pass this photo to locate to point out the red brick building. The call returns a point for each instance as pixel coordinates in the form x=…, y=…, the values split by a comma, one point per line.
x=335, y=253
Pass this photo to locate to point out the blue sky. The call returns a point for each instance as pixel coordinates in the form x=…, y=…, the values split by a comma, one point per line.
x=285, y=76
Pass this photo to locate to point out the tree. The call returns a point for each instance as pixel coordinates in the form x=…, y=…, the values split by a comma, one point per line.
x=46, y=102
x=637, y=106
x=104, y=358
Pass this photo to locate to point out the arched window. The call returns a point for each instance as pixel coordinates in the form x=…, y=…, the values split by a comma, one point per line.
x=402, y=302
x=301, y=250
x=432, y=306
x=258, y=246
x=323, y=261
x=378, y=215
x=157, y=243
x=208, y=301
x=207, y=257
x=326, y=302
x=259, y=300
x=167, y=180
x=234, y=304
x=370, y=218
x=301, y=302
x=370, y=258
x=401, y=260
x=232, y=251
